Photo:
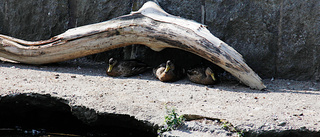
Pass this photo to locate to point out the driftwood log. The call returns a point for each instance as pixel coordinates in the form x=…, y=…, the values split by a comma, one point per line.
x=150, y=26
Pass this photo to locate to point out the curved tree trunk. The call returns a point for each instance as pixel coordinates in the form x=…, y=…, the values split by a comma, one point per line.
x=150, y=26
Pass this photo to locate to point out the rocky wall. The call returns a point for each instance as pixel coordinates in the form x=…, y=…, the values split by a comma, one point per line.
x=277, y=38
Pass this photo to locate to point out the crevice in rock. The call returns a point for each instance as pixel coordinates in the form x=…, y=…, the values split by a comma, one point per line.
x=279, y=41
x=72, y=8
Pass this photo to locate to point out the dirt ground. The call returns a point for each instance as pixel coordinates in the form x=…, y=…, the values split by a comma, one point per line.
x=284, y=105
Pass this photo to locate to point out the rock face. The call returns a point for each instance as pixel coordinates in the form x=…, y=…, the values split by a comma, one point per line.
x=33, y=20
x=277, y=38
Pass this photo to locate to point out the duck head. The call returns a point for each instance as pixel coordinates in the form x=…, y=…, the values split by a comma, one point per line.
x=210, y=73
x=112, y=63
x=169, y=66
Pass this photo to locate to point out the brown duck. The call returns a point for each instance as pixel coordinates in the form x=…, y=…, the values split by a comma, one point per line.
x=168, y=72
x=203, y=76
x=125, y=68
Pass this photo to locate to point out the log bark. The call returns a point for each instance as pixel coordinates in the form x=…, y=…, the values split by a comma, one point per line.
x=150, y=26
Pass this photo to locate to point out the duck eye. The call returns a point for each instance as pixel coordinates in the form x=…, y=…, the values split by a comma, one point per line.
x=111, y=61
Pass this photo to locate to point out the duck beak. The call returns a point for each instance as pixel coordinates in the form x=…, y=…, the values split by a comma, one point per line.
x=212, y=76
x=110, y=68
x=167, y=68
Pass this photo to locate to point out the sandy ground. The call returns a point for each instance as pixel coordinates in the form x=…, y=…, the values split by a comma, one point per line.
x=285, y=104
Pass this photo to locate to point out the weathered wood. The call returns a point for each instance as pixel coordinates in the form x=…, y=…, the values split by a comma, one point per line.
x=150, y=26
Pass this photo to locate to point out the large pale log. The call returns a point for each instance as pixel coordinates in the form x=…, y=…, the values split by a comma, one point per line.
x=150, y=26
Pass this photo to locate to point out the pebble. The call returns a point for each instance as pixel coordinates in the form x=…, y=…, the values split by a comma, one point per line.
x=282, y=124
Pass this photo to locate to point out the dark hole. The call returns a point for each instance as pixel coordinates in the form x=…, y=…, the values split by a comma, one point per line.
x=35, y=115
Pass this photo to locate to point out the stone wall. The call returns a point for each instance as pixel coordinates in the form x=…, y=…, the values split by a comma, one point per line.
x=277, y=38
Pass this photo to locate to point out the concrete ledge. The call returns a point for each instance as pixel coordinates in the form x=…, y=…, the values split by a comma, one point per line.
x=286, y=108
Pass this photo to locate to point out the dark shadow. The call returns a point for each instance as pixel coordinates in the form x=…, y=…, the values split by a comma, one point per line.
x=23, y=114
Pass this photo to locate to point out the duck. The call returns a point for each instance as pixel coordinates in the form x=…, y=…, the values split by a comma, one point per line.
x=202, y=75
x=167, y=72
x=125, y=68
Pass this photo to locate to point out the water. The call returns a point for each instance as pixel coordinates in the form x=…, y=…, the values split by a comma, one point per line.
x=94, y=132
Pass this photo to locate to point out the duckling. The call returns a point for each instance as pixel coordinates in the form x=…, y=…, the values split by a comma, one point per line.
x=167, y=72
x=125, y=68
x=202, y=76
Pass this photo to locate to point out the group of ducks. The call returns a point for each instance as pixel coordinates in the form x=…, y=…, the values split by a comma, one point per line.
x=166, y=72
